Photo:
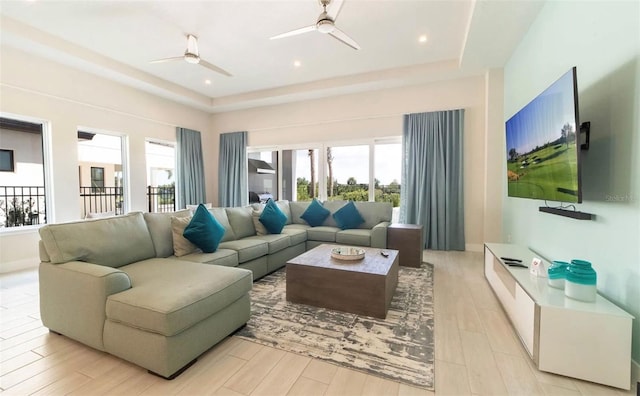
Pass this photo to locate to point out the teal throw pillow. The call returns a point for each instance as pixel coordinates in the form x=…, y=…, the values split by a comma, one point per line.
x=315, y=213
x=348, y=216
x=204, y=231
x=272, y=218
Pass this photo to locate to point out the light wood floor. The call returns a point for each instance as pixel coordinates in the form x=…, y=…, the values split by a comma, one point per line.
x=477, y=353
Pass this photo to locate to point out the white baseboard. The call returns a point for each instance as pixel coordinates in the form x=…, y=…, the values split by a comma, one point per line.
x=474, y=247
x=19, y=265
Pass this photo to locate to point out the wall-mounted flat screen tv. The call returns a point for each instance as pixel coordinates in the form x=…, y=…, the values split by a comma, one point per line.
x=543, y=148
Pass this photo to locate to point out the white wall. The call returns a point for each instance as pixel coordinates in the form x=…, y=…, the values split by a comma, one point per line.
x=602, y=39
x=369, y=115
x=66, y=98
x=494, y=142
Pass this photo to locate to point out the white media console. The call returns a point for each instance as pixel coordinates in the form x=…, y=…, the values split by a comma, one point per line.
x=589, y=341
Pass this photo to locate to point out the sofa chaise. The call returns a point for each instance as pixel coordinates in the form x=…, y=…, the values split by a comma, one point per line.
x=116, y=284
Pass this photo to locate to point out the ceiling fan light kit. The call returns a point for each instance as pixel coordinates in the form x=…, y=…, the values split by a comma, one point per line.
x=325, y=24
x=192, y=56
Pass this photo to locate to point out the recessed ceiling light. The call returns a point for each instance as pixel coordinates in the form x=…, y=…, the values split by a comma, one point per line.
x=207, y=81
x=296, y=63
x=422, y=39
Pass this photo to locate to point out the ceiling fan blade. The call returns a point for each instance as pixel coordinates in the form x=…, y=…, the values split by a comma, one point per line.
x=333, y=9
x=342, y=36
x=192, y=44
x=305, y=29
x=213, y=67
x=175, y=58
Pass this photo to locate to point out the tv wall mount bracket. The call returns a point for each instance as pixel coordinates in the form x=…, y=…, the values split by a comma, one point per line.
x=585, y=128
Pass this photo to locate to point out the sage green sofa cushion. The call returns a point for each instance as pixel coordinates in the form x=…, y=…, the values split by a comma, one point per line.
x=241, y=221
x=224, y=257
x=275, y=242
x=297, y=209
x=166, y=355
x=283, y=204
x=248, y=249
x=159, y=304
x=159, y=225
x=374, y=213
x=113, y=241
x=297, y=233
x=322, y=233
x=220, y=214
x=333, y=207
x=354, y=237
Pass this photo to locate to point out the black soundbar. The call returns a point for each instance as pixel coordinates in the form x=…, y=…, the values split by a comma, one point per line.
x=567, y=213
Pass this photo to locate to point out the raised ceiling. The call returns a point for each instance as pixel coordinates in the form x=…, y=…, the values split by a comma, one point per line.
x=117, y=39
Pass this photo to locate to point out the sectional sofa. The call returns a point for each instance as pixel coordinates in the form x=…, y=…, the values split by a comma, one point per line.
x=117, y=285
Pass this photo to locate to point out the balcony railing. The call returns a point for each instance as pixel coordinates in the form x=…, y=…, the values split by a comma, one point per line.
x=22, y=206
x=110, y=199
x=25, y=205
x=102, y=200
x=161, y=199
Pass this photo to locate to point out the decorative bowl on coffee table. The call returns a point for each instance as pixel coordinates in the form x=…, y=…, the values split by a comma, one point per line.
x=347, y=253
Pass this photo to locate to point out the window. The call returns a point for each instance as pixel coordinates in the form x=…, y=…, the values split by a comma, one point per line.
x=97, y=179
x=102, y=172
x=387, y=171
x=367, y=171
x=300, y=174
x=388, y=174
x=263, y=176
x=161, y=183
x=23, y=197
x=348, y=173
x=6, y=161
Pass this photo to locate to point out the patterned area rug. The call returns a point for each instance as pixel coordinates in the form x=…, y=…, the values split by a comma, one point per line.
x=399, y=347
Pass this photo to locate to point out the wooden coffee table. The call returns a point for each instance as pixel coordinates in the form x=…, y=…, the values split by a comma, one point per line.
x=363, y=287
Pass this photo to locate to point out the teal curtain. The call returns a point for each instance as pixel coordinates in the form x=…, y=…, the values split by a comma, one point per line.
x=432, y=177
x=233, y=176
x=190, y=187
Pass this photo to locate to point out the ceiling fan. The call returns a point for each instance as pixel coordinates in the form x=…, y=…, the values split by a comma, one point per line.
x=191, y=55
x=325, y=24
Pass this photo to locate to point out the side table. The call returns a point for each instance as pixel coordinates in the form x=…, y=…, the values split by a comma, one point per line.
x=406, y=238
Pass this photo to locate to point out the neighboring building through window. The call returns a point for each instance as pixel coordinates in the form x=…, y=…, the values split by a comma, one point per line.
x=161, y=182
x=6, y=161
x=97, y=179
x=263, y=176
x=22, y=173
x=101, y=173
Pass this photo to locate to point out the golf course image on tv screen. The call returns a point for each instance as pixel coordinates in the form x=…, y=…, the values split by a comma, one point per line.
x=542, y=145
